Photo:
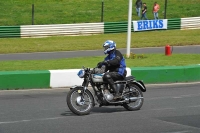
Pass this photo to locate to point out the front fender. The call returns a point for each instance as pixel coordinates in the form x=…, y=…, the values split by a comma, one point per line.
x=81, y=87
x=141, y=85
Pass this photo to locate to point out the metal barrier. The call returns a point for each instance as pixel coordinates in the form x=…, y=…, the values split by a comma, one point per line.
x=174, y=23
x=115, y=27
x=87, y=28
x=61, y=29
x=190, y=23
x=9, y=31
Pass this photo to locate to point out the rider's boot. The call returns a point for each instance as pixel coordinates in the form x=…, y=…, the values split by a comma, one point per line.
x=116, y=91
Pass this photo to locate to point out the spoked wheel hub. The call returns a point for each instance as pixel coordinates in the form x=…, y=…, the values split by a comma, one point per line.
x=80, y=101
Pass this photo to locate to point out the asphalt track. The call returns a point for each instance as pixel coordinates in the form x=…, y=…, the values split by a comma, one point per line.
x=70, y=54
x=167, y=108
x=171, y=108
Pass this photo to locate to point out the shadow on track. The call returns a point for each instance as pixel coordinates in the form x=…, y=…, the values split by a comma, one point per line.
x=97, y=110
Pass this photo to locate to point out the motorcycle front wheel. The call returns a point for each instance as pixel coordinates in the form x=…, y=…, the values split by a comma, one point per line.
x=137, y=97
x=79, y=102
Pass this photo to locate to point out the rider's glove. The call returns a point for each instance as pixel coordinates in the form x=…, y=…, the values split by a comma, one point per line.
x=99, y=70
x=106, y=63
x=99, y=64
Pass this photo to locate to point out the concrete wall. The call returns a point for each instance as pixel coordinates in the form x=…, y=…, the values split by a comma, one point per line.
x=24, y=79
x=67, y=78
x=172, y=74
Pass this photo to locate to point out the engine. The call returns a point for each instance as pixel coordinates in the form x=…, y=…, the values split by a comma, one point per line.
x=108, y=95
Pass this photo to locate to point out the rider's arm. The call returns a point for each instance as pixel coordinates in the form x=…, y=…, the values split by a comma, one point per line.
x=116, y=60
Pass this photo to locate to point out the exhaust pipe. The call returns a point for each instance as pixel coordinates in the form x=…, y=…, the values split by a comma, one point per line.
x=133, y=99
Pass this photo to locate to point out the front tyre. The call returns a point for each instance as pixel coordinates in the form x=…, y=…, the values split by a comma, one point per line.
x=79, y=103
x=137, y=95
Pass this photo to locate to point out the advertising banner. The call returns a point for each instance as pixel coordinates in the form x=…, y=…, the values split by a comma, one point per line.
x=143, y=25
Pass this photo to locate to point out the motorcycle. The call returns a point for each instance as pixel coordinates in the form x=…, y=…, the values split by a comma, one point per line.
x=81, y=100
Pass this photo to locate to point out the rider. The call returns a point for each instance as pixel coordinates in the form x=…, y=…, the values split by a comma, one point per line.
x=115, y=64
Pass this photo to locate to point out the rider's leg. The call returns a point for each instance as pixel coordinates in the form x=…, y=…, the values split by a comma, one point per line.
x=110, y=77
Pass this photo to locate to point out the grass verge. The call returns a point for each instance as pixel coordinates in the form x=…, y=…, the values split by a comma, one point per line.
x=76, y=63
x=19, y=12
x=93, y=42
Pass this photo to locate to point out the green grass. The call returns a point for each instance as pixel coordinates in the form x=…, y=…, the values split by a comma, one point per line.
x=77, y=63
x=19, y=12
x=69, y=43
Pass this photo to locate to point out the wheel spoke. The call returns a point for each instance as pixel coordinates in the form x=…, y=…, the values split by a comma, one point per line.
x=137, y=98
x=86, y=103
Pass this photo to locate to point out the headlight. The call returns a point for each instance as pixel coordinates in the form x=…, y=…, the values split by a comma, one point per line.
x=81, y=73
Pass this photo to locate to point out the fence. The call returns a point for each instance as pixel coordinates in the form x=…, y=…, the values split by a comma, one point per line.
x=87, y=28
x=22, y=12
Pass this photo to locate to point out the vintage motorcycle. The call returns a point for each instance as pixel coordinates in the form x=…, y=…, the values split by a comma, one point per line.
x=81, y=100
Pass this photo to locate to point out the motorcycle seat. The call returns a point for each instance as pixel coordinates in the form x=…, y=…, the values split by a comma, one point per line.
x=125, y=79
x=129, y=78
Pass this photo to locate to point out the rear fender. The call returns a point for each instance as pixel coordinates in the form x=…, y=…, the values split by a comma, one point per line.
x=140, y=84
x=82, y=88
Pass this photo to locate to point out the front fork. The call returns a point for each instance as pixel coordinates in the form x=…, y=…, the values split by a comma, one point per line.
x=85, y=85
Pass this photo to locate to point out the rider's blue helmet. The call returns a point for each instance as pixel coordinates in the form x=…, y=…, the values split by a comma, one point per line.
x=108, y=46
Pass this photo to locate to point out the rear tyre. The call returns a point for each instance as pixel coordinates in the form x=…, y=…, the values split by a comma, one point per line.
x=136, y=104
x=78, y=103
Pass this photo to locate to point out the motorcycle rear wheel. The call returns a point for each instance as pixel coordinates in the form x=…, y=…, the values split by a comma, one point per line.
x=77, y=104
x=136, y=105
